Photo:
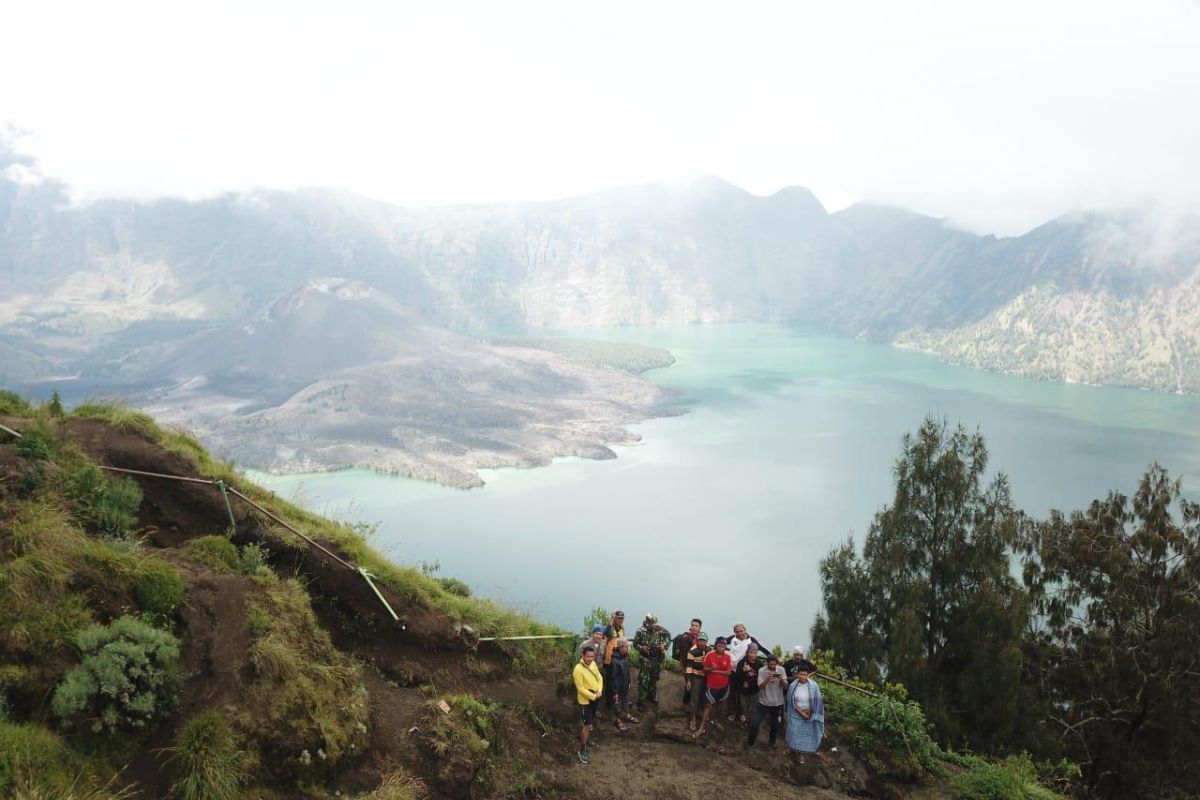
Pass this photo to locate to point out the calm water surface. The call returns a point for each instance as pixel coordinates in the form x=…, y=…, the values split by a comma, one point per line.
x=724, y=512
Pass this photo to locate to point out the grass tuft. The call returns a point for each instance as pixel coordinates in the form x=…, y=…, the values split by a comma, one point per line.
x=312, y=694
x=210, y=764
x=215, y=551
x=398, y=786
x=115, y=413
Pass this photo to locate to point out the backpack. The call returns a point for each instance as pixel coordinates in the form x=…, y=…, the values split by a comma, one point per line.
x=680, y=646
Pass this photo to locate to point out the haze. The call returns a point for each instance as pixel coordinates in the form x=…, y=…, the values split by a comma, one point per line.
x=996, y=117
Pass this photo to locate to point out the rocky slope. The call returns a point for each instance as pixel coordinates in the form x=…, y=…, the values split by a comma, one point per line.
x=335, y=374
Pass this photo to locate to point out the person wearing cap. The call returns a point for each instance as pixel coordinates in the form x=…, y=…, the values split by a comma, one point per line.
x=772, y=680
x=718, y=666
x=619, y=669
x=693, y=677
x=805, y=714
x=798, y=663
x=613, y=631
x=596, y=640
x=650, y=641
x=589, y=686
x=745, y=676
x=737, y=645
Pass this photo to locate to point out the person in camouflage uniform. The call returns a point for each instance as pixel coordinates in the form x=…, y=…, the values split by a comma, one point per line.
x=651, y=642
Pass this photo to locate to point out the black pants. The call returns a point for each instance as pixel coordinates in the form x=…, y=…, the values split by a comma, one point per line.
x=774, y=717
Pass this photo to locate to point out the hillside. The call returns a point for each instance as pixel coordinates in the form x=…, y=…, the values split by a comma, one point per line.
x=268, y=667
x=85, y=285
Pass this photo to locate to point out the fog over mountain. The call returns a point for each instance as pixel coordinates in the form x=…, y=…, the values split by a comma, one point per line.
x=154, y=295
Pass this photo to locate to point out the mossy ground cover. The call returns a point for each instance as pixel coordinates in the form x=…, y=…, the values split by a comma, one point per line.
x=313, y=710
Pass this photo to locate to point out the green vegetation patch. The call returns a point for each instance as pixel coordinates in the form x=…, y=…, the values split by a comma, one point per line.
x=37, y=764
x=159, y=589
x=472, y=745
x=207, y=757
x=39, y=554
x=125, y=680
x=108, y=506
x=13, y=405
x=1014, y=778
x=116, y=414
x=399, y=785
x=889, y=733
x=215, y=551
x=314, y=704
x=37, y=443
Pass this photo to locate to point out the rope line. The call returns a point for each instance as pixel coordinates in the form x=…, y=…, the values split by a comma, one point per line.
x=311, y=541
x=158, y=475
x=227, y=490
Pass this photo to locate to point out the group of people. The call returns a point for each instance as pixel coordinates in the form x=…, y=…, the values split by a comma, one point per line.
x=734, y=673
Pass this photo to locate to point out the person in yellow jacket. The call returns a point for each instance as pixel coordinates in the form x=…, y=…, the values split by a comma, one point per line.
x=589, y=688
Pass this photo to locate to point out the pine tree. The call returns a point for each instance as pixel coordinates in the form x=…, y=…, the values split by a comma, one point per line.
x=55, y=406
x=1117, y=640
x=932, y=603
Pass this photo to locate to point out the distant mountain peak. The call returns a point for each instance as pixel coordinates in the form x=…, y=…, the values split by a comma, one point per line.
x=324, y=289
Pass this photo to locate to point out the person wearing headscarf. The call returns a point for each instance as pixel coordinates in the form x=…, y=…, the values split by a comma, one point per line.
x=797, y=663
x=805, y=714
x=596, y=640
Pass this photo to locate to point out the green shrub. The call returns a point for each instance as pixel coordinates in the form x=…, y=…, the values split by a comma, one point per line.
x=210, y=764
x=455, y=587
x=254, y=560
x=14, y=405
x=890, y=733
x=108, y=506
x=1014, y=778
x=216, y=551
x=126, y=678
x=36, y=764
x=28, y=749
x=158, y=589
x=36, y=444
x=468, y=731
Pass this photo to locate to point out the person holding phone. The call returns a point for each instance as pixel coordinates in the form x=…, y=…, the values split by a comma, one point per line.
x=772, y=681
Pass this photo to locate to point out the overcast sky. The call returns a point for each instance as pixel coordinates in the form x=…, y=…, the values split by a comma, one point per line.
x=996, y=115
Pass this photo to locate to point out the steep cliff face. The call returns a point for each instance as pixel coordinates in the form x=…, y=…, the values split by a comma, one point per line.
x=1094, y=337
x=115, y=275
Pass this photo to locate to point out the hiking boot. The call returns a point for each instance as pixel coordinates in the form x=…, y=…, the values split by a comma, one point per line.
x=583, y=757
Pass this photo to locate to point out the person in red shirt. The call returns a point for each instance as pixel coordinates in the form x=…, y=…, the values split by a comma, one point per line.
x=718, y=666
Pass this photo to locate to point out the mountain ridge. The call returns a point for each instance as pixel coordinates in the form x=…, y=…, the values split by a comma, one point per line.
x=695, y=250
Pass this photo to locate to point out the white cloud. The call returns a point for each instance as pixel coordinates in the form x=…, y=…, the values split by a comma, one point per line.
x=996, y=115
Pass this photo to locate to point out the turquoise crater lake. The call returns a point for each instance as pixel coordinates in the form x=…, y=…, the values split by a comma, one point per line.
x=723, y=513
